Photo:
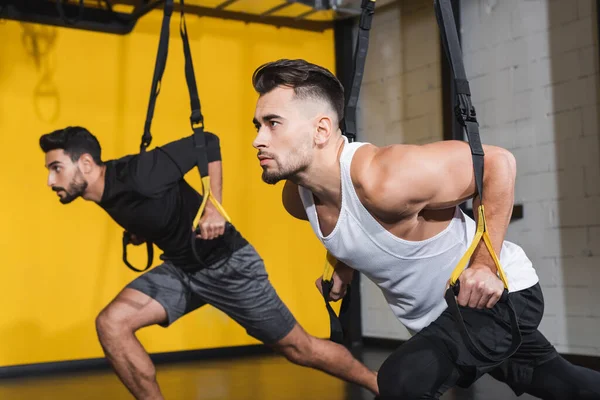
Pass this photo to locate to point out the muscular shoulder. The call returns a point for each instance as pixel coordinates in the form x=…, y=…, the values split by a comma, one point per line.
x=383, y=180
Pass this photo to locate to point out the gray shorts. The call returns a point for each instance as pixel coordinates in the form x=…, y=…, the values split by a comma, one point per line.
x=239, y=287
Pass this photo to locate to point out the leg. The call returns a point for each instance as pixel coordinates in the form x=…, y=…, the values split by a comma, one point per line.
x=241, y=289
x=549, y=378
x=537, y=368
x=302, y=349
x=116, y=326
x=160, y=296
x=418, y=369
x=559, y=379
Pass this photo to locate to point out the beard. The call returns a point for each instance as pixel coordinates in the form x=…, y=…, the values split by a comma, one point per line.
x=76, y=188
x=298, y=161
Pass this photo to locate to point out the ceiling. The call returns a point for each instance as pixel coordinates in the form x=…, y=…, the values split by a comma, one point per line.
x=120, y=16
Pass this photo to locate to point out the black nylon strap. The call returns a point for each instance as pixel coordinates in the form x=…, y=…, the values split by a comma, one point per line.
x=465, y=112
x=472, y=130
x=149, y=253
x=336, y=327
x=197, y=123
x=475, y=349
x=348, y=126
x=159, y=69
x=462, y=86
x=196, y=116
x=360, y=56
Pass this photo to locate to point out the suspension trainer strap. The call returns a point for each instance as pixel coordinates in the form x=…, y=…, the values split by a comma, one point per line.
x=197, y=124
x=149, y=252
x=337, y=329
x=465, y=112
x=360, y=57
x=159, y=69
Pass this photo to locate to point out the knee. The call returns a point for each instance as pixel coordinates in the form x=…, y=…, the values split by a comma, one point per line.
x=300, y=352
x=111, y=322
x=413, y=375
x=394, y=382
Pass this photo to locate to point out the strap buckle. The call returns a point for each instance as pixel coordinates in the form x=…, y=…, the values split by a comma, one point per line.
x=465, y=111
x=368, y=5
x=146, y=140
x=197, y=118
x=368, y=9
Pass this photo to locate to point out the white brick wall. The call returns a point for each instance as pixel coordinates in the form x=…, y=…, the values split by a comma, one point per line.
x=535, y=85
x=533, y=67
x=400, y=99
x=400, y=102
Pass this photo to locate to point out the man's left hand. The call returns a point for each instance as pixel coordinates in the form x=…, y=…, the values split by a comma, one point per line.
x=479, y=287
x=212, y=224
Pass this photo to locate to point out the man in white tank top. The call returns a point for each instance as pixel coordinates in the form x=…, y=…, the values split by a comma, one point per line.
x=392, y=213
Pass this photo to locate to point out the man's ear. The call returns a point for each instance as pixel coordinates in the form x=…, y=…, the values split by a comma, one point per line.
x=86, y=163
x=324, y=130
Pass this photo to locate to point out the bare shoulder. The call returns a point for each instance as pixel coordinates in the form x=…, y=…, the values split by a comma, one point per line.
x=379, y=175
x=292, y=202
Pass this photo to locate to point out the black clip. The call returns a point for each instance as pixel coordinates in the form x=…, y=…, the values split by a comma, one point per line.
x=465, y=112
x=197, y=118
x=146, y=140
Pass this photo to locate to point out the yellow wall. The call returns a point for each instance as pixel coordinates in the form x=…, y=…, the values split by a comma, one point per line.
x=62, y=264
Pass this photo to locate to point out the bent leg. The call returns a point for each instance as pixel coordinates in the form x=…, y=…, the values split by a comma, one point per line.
x=241, y=289
x=303, y=349
x=559, y=379
x=160, y=296
x=537, y=368
x=116, y=326
x=418, y=369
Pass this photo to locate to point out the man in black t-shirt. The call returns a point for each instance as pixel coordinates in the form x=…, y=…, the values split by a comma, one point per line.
x=147, y=195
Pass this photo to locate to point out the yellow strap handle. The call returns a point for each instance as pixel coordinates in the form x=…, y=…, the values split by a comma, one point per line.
x=330, y=262
x=479, y=234
x=207, y=194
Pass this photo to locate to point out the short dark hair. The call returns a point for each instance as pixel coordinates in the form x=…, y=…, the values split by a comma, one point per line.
x=307, y=79
x=75, y=141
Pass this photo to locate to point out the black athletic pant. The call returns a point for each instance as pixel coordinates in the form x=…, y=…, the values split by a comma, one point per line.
x=436, y=359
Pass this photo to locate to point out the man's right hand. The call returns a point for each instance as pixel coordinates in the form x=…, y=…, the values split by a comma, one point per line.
x=342, y=277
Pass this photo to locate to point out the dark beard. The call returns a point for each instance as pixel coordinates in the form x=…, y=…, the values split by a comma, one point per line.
x=76, y=189
x=273, y=177
x=301, y=161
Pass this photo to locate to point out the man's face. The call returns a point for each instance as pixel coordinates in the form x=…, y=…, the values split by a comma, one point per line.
x=64, y=176
x=284, y=140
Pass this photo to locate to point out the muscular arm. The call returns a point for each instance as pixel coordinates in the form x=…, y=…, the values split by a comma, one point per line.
x=160, y=168
x=400, y=181
x=215, y=171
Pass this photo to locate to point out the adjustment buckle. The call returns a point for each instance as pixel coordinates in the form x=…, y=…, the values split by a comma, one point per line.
x=465, y=112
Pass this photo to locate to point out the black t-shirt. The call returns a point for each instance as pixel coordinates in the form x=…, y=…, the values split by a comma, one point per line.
x=147, y=195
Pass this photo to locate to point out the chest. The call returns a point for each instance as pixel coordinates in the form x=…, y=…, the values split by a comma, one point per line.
x=327, y=216
x=141, y=215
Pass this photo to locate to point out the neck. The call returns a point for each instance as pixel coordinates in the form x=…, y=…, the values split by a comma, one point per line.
x=323, y=176
x=95, y=188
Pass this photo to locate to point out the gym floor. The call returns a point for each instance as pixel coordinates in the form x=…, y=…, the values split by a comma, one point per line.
x=264, y=377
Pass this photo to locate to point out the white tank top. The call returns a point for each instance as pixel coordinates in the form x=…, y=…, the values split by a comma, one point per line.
x=411, y=274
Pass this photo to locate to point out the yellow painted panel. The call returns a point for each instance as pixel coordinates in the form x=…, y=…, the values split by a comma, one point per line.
x=62, y=264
